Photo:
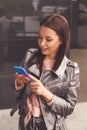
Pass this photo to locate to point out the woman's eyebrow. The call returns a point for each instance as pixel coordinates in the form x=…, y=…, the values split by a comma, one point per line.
x=45, y=36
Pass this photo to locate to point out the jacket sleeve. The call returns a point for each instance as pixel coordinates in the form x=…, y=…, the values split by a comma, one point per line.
x=66, y=106
x=27, y=56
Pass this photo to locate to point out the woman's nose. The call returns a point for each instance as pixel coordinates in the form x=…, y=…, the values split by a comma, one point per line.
x=42, y=42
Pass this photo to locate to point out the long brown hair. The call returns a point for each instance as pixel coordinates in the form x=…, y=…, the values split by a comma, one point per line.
x=59, y=24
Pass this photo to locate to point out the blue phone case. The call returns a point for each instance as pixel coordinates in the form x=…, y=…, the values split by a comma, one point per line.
x=21, y=70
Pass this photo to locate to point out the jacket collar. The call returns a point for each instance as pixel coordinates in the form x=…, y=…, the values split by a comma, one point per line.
x=60, y=71
x=34, y=69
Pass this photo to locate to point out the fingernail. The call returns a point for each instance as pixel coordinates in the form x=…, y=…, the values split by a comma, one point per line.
x=24, y=75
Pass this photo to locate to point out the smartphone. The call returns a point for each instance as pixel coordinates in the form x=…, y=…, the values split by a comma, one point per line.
x=21, y=70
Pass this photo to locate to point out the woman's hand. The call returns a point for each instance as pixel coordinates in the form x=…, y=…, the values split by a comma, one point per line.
x=20, y=80
x=38, y=88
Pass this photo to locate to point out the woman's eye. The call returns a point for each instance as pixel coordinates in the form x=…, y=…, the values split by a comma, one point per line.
x=48, y=40
x=39, y=37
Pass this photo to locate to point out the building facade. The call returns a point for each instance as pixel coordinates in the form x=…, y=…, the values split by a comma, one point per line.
x=19, y=24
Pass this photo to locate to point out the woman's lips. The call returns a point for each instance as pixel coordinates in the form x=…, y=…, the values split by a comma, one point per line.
x=44, y=49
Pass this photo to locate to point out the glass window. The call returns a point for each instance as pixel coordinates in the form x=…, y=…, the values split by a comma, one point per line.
x=82, y=34
x=19, y=23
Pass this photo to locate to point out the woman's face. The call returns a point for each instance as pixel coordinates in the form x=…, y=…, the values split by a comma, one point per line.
x=48, y=42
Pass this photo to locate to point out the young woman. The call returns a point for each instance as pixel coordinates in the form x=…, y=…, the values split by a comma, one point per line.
x=51, y=96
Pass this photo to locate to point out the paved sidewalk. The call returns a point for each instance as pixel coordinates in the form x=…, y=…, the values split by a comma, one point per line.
x=7, y=122
x=76, y=121
x=80, y=56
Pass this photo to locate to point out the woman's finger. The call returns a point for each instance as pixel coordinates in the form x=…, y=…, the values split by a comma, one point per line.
x=33, y=78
